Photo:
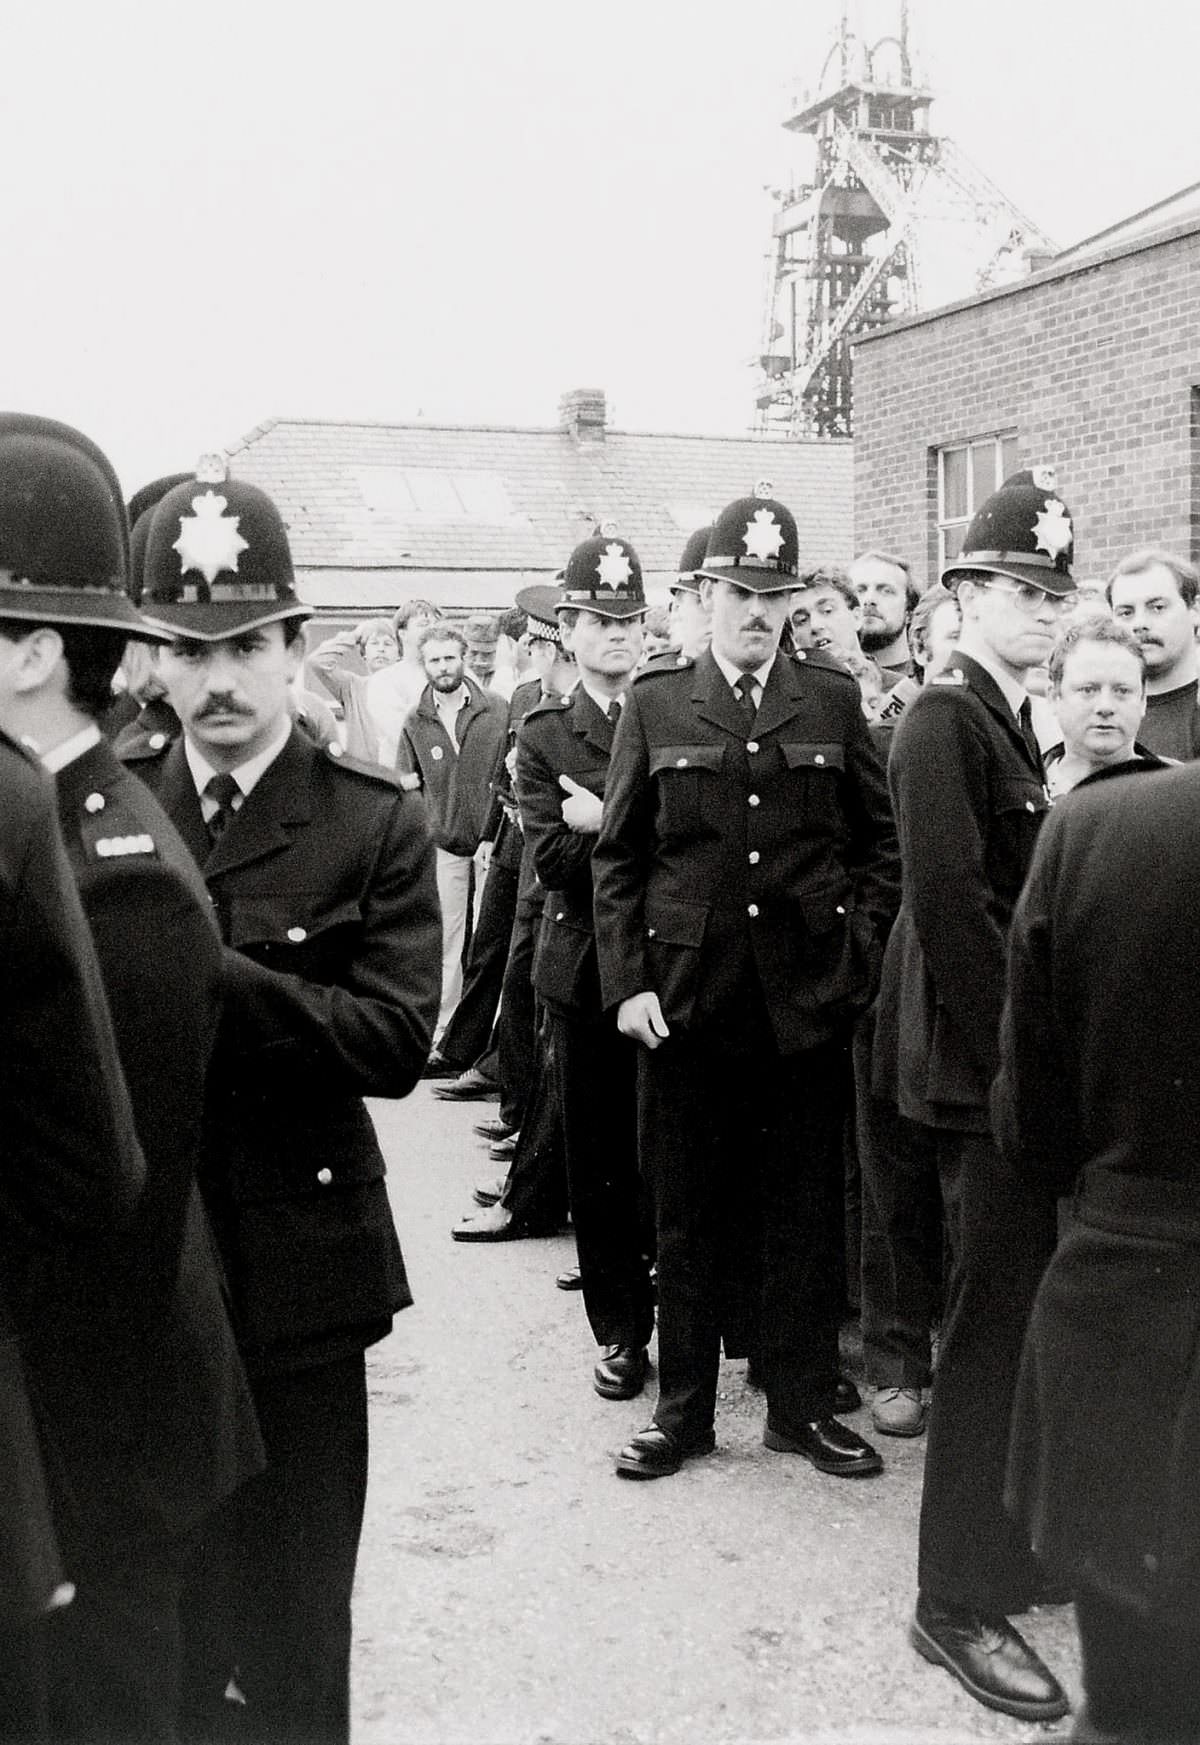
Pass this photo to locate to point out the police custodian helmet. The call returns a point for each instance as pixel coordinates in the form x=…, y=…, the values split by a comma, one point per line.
x=755, y=544
x=217, y=560
x=604, y=576
x=691, y=563
x=64, y=536
x=1023, y=531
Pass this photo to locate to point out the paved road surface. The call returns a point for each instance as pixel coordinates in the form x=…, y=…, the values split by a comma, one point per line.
x=513, y=1591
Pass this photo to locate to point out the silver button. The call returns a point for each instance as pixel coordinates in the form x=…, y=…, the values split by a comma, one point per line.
x=752, y=800
x=324, y=1176
x=800, y=654
x=650, y=932
x=755, y=857
x=681, y=763
x=297, y=934
x=157, y=741
x=820, y=757
x=334, y=748
x=752, y=745
x=559, y=916
x=1029, y=806
x=752, y=910
x=841, y=908
x=436, y=753
x=94, y=803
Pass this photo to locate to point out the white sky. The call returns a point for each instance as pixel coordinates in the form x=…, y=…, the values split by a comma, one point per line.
x=211, y=214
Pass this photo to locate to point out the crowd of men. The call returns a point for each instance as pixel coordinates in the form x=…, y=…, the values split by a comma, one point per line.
x=801, y=985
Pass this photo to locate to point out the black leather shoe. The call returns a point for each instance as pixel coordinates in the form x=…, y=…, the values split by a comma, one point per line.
x=655, y=1453
x=494, y=1130
x=438, y=1067
x=571, y=1279
x=847, y=1397
x=495, y=1225
x=989, y=1659
x=620, y=1373
x=504, y=1150
x=829, y=1445
x=469, y=1087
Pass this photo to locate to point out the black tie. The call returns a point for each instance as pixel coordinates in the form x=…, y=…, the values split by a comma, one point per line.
x=223, y=789
x=614, y=712
x=745, y=696
x=1025, y=718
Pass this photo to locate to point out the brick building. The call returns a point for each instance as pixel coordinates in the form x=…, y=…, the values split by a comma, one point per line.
x=1092, y=364
x=465, y=515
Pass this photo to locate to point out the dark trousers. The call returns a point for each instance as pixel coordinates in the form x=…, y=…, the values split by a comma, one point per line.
x=1141, y=1675
x=267, y=1600
x=743, y=1154
x=23, y=1716
x=466, y=1035
x=515, y=1045
x=596, y=1076
x=535, y=1189
x=901, y=1234
x=113, y=1654
x=1002, y=1235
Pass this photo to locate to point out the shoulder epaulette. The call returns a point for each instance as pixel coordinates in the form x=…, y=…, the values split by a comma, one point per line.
x=335, y=753
x=826, y=663
x=663, y=664
x=953, y=676
x=139, y=747
x=547, y=706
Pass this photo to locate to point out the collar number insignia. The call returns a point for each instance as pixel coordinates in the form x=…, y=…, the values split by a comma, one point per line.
x=1053, y=528
x=763, y=537
x=209, y=540
x=614, y=570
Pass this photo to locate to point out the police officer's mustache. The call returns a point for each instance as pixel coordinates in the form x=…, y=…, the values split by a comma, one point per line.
x=220, y=706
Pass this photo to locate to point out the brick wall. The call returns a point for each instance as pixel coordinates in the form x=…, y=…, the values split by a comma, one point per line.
x=1096, y=368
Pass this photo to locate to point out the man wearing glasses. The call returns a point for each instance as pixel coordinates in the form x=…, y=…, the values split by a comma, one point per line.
x=969, y=795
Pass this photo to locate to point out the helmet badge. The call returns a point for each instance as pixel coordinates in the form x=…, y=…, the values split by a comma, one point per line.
x=209, y=540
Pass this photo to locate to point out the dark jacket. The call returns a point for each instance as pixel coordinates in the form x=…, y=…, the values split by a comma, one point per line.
x=563, y=736
x=323, y=888
x=969, y=798
x=730, y=856
x=456, y=785
x=148, y=1310
x=71, y=1171
x=1099, y=1093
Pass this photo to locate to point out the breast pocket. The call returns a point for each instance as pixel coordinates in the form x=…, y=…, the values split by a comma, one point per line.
x=1020, y=804
x=294, y=935
x=813, y=774
x=688, y=785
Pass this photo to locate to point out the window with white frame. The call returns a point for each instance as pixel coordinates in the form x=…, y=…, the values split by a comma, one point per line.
x=968, y=473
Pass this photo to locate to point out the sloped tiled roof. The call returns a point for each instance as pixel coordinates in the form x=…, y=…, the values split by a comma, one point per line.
x=372, y=497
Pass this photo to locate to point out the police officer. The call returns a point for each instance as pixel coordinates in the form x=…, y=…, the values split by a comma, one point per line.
x=745, y=874
x=689, y=615
x=563, y=751
x=320, y=871
x=181, y=1436
x=968, y=788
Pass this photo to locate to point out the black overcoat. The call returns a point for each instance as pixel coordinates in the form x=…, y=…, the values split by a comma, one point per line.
x=323, y=888
x=969, y=798
x=1099, y=1094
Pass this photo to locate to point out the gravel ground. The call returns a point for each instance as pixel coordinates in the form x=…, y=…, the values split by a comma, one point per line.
x=513, y=1591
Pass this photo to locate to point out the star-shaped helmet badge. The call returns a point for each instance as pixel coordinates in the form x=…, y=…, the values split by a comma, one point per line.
x=209, y=540
x=763, y=537
x=613, y=569
x=1053, y=528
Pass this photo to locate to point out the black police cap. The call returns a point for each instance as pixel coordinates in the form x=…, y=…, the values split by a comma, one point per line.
x=1023, y=531
x=540, y=602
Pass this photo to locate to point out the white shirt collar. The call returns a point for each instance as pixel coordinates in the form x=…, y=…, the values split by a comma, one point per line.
x=59, y=756
x=247, y=775
x=602, y=702
x=732, y=673
x=1013, y=690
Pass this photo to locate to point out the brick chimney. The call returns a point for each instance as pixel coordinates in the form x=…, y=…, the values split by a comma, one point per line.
x=583, y=413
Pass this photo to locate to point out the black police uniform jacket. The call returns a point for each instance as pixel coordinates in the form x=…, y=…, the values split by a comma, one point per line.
x=564, y=736
x=71, y=1170
x=134, y=1343
x=730, y=854
x=1099, y=1093
x=323, y=888
x=969, y=798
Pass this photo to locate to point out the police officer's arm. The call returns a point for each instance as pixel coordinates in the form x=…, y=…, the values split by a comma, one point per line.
x=620, y=865
x=560, y=854
x=874, y=857
x=371, y=1033
x=71, y=1158
x=1035, y=1099
x=939, y=771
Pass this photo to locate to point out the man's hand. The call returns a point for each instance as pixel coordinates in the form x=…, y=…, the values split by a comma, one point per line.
x=581, y=809
x=641, y=1017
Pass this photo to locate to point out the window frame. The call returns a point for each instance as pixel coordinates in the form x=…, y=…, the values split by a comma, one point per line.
x=949, y=524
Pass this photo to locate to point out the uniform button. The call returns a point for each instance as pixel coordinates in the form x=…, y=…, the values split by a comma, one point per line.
x=94, y=803
x=752, y=800
x=650, y=932
x=559, y=916
x=297, y=934
x=755, y=857
x=436, y=753
x=752, y=910
x=334, y=749
x=324, y=1176
x=841, y=908
x=681, y=763
x=752, y=745
x=157, y=741
x=820, y=757
x=1029, y=806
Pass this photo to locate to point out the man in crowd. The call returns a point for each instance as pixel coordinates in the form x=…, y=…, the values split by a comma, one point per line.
x=344, y=664
x=887, y=595
x=320, y=872
x=826, y=616
x=1154, y=595
x=450, y=748
x=969, y=795
x=151, y=1316
x=658, y=635
x=933, y=631
x=745, y=876
x=1097, y=690
x=691, y=624
x=394, y=690
x=563, y=751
